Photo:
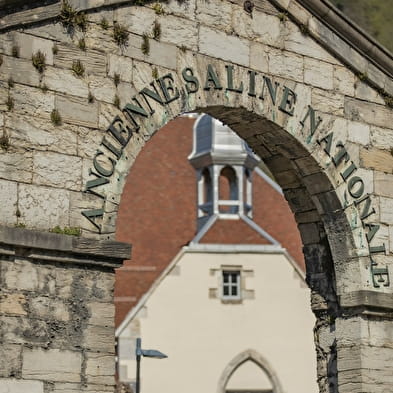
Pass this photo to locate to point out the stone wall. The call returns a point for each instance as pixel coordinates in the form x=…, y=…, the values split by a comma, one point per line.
x=56, y=313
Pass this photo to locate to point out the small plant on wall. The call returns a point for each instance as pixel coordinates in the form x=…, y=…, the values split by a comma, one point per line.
x=55, y=117
x=70, y=17
x=38, y=60
x=15, y=51
x=116, y=101
x=4, y=141
x=145, y=47
x=78, y=68
x=120, y=34
x=156, y=30
x=104, y=24
x=9, y=103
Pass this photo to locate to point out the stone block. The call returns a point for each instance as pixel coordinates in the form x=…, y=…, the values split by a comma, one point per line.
x=386, y=212
x=98, y=38
x=77, y=388
x=66, y=82
x=218, y=44
x=381, y=160
x=99, y=338
x=10, y=361
x=120, y=65
x=52, y=365
x=364, y=92
x=50, y=204
x=367, y=112
x=46, y=308
x=20, y=70
x=21, y=386
x=77, y=111
x=343, y=80
x=47, y=167
x=24, y=275
x=138, y=20
x=328, y=102
x=215, y=15
x=28, y=100
x=319, y=74
x=103, y=89
x=8, y=201
x=383, y=184
x=286, y=64
x=12, y=303
x=31, y=132
x=359, y=133
x=259, y=27
x=259, y=57
x=93, y=61
x=101, y=314
x=381, y=138
x=16, y=166
x=179, y=31
x=100, y=368
x=30, y=45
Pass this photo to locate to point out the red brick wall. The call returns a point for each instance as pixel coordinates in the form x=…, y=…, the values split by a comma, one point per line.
x=157, y=214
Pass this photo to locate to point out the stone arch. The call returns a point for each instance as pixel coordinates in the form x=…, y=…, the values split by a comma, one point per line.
x=241, y=358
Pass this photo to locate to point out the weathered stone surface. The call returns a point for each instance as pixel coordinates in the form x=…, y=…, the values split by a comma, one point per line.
x=51, y=204
x=77, y=110
x=318, y=74
x=28, y=100
x=101, y=314
x=120, y=65
x=103, y=89
x=359, y=133
x=13, y=303
x=77, y=388
x=386, y=213
x=48, y=165
x=16, y=166
x=259, y=58
x=383, y=184
x=10, y=361
x=66, y=82
x=20, y=71
x=47, y=308
x=30, y=45
x=100, y=368
x=343, y=80
x=381, y=138
x=52, y=365
x=286, y=65
x=216, y=15
x=365, y=92
x=31, y=132
x=218, y=44
x=8, y=198
x=327, y=102
x=21, y=386
x=380, y=160
x=100, y=338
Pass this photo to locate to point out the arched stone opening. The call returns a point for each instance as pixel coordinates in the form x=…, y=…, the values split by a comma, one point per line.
x=249, y=355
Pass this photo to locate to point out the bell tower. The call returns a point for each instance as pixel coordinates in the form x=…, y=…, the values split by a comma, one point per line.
x=224, y=164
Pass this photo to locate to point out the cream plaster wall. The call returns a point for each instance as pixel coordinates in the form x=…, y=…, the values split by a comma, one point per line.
x=201, y=335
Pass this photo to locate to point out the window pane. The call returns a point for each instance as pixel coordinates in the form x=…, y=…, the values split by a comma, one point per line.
x=234, y=290
x=234, y=277
x=226, y=277
x=226, y=291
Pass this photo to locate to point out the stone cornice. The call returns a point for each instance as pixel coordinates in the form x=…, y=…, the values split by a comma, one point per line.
x=330, y=27
x=369, y=300
x=52, y=247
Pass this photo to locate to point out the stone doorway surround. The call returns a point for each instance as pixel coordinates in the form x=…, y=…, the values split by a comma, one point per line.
x=305, y=87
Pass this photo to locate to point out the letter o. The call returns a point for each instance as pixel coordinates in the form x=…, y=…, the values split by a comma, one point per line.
x=351, y=184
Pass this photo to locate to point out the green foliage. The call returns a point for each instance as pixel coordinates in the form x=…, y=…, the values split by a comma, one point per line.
x=154, y=73
x=71, y=231
x=104, y=24
x=55, y=49
x=362, y=76
x=55, y=117
x=20, y=225
x=156, y=30
x=116, y=101
x=82, y=44
x=44, y=88
x=11, y=83
x=38, y=60
x=157, y=7
x=4, y=141
x=120, y=34
x=15, y=51
x=283, y=16
x=9, y=103
x=78, y=68
x=116, y=79
x=145, y=47
x=183, y=48
x=303, y=29
x=70, y=17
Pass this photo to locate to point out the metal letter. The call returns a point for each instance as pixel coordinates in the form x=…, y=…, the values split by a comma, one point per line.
x=113, y=149
x=342, y=154
x=328, y=139
x=118, y=134
x=100, y=169
x=190, y=79
x=352, y=181
x=366, y=211
x=373, y=229
x=272, y=92
x=251, y=89
x=168, y=88
x=378, y=249
x=348, y=172
x=91, y=215
x=100, y=181
x=212, y=77
x=153, y=94
x=230, y=80
x=313, y=124
x=130, y=109
x=288, y=101
x=380, y=273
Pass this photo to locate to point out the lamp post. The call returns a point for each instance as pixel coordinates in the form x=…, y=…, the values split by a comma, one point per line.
x=148, y=353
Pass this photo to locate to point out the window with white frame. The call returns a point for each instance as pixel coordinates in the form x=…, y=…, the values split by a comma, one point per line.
x=231, y=288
